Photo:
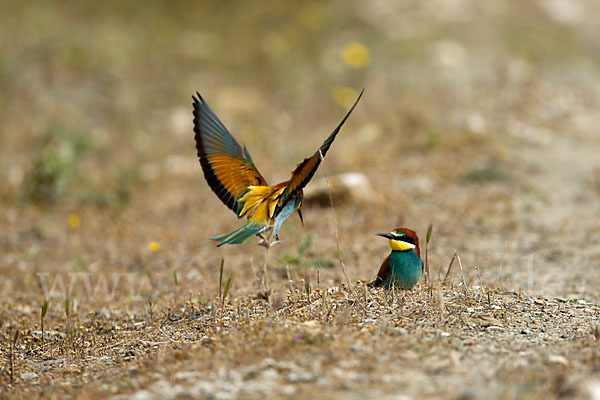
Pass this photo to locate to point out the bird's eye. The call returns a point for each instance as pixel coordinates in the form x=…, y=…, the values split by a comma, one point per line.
x=405, y=238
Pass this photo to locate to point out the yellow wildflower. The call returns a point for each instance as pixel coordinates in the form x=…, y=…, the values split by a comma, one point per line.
x=344, y=96
x=356, y=55
x=74, y=221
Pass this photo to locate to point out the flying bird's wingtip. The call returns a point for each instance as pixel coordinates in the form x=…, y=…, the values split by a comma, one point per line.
x=356, y=101
x=360, y=94
x=198, y=98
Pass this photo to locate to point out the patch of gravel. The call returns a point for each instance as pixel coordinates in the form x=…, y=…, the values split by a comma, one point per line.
x=404, y=346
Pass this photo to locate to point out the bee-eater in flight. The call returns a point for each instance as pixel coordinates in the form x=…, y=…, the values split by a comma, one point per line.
x=232, y=175
x=403, y=268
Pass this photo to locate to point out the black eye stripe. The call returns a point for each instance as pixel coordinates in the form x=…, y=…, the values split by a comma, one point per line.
x=405, y=238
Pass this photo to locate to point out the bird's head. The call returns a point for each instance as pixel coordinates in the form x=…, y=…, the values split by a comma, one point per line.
x=402, y=239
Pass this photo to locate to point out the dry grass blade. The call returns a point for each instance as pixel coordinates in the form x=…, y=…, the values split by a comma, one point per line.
x=221, y=277
x=227, y=288
x=225, y=293
x=43, y=312
x=483, y=291
x=335, y=221
x=441, y=304
x=13, y=346
x=427, y=241
x=449, y=268
x=290, y=282
x=175, y=280
x=462, y=275
x=68, y=326
x=324, y=303
x=265, y=280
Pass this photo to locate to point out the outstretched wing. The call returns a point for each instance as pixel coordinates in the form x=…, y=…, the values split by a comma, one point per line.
x=228, y=168
x=307, y=168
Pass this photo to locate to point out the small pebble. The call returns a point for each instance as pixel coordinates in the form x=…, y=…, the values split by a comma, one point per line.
x=557, y=359
x=27, y=376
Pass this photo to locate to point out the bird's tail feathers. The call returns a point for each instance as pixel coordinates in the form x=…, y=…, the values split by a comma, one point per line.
x=239, y=235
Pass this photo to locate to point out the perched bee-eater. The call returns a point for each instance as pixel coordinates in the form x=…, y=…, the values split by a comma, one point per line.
x=403, y=268
x=232, y=175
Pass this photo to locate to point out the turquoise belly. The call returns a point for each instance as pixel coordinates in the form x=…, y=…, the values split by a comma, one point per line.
x=406, y=269
x=288, y=210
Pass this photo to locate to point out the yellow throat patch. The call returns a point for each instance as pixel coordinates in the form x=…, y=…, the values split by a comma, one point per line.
x=398, y=245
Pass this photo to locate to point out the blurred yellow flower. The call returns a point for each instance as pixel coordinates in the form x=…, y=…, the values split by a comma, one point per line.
x=356, y=55
x=74, y=221
x=154, y=246
x=344, y=96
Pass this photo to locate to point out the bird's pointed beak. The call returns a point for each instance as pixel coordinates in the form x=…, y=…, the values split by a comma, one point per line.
x=385, y=235
x=300, y=215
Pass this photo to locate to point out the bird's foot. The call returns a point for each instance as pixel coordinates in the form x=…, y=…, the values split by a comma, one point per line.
x=275, y=241
x=266, y=243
